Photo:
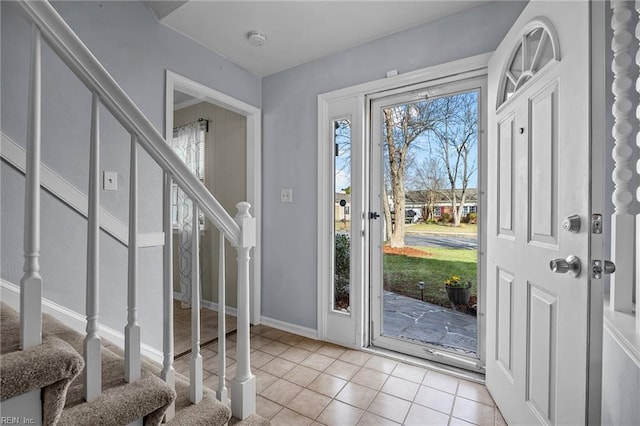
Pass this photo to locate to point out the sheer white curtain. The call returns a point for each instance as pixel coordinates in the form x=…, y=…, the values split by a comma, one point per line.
x=188, y=142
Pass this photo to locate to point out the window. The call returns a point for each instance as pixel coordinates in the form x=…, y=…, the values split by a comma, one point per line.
x=537, y=49
x=188, y=142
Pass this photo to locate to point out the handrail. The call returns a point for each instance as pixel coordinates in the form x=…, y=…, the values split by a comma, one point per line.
x=73, y=52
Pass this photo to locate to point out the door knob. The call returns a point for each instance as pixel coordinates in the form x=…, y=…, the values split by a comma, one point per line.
x=571, y=265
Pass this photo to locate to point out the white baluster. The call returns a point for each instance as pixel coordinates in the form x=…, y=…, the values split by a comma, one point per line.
x=132, y=329
x=222, y=393
x=622, y=221
x=92, y=355
x=637, y=237
x=168, y=372
x=31, y=282
x=243, y=386
x=195, y=377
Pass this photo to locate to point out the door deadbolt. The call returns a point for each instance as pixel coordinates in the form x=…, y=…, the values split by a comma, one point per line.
x=561, y=266
x=572, y=223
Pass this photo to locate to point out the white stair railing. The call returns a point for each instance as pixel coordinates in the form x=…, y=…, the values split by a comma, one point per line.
x=132, y=367
x=168, y=372
x=243, y=385
x=92, y=344
x=31, y=282
x=222, y=392
x=195, y=370
x=239, y=232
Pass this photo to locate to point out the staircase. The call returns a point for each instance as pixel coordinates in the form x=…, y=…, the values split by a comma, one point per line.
x=51, y=374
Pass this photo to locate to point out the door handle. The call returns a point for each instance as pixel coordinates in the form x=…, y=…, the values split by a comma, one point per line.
x=571, y=265
x=373, y=215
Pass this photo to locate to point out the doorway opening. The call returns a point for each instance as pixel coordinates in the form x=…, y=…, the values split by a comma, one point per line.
x=220, y=137
x=425, y=185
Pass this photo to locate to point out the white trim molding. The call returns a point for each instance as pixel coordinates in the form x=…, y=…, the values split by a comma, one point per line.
x=212, y=306
x=10, y=294
x=60, y=188
x=290, y=328
x=352, y=102
x=253, y=116
x=15, y=155
x=621, y=327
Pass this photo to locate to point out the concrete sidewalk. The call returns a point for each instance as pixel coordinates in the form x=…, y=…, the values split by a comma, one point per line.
x=424, y=322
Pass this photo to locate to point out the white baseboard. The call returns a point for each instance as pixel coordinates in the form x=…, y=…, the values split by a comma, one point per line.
x=10, y=294
x=209, y=305
x=290, y=328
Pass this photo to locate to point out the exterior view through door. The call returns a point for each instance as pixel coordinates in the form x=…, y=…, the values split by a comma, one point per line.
x=424, y=188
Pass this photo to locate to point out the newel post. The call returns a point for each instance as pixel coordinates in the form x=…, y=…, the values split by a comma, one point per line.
x=623, y=219
x=243, y=386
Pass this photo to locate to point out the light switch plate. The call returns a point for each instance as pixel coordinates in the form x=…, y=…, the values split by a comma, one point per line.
x=286, y=195
x=110, y=181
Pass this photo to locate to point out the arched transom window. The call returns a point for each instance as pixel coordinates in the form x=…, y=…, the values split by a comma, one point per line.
x=537, y=48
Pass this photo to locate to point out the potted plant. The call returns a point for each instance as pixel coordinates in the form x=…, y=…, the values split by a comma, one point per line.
x=458, y=292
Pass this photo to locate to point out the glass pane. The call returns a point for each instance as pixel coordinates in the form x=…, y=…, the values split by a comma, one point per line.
x=342, y=215
x=533, y=40
x=547, y=54
x=429, y=199
x=516, y=65
x=509, y=90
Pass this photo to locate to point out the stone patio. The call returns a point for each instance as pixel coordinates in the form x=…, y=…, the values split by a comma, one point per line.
x=422, y=322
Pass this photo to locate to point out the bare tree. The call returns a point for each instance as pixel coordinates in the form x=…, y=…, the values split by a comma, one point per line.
x=456, y=136
x=429, y=182
x=403, y=124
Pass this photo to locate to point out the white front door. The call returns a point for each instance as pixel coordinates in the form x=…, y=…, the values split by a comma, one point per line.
x=539, y=175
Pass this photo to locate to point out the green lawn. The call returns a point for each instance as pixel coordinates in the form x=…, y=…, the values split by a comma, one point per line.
x=402, y=273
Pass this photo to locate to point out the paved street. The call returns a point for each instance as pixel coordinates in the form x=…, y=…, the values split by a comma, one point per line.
x=446, y=241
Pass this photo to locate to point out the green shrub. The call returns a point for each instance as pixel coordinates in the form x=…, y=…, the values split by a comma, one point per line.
x=342, y=265
x=472, y=218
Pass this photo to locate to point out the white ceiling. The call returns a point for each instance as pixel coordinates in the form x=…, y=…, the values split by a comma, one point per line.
x=297, y=31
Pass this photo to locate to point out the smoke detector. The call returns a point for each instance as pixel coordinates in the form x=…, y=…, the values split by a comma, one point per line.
x=256, y=38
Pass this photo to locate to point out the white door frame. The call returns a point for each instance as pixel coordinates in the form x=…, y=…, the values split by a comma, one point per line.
x=254, y=162
x=381, y=100
x=471, y=67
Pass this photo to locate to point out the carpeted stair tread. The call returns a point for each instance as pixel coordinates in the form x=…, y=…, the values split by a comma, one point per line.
x=208, y=412
x=252, y=420
x=121, y=404
x=50, y=366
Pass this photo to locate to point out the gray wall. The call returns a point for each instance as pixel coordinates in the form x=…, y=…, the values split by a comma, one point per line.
x=289, y=105
x=136, y=49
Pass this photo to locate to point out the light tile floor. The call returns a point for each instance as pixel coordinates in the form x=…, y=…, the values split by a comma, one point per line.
x=307, y=382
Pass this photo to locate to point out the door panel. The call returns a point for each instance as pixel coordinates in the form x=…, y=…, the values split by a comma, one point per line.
x=542, y=166
x=505, y=175
x=538, y=174
x=504, y=343
x=541, y=357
